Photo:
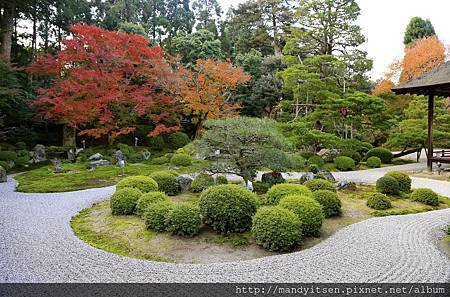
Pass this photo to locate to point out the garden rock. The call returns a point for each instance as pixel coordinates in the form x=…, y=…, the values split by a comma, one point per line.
x=96, y=157
x=146, y=155
x=185, y=182
x=3, y=176
x=326, y=174
x=173, y=168
x=328, y=154
x=306, y=177
x=346, y=185
x=94, y=164
x=39, y=153
x=71, y=155
x=200, y=156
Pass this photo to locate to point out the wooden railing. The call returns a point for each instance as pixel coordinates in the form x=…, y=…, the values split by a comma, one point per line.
x=442, y=153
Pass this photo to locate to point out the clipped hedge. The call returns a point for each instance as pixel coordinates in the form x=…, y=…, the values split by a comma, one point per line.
x=178, y=140
x=308, y=210
x=276, y=228
x=388, y=185
x=167, y=182
x=228, y=208
x=344, y=163
x=382, y=153
x=320, y=184
x=184, y=219
x=149, y=198
x=141, y=182
x=374, y=162
x=123, y=201
x=331, y=204
x=277, y=192
x=201, y=182
x=181, y=160
x=156, y=214
x=404, y=181
x=426, y=196
x=379, y=201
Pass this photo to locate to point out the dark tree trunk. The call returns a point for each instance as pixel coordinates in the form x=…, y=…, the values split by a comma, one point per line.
x=7, y=27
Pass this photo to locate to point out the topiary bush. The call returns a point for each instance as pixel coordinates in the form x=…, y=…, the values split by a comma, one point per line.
x=320, y=184
x=382, y=153
x=308, y=210
x=141, y=182
x=388, y=185
x=356, y=156
x=167, y=182
x=178, y=139
x=374, y=162
x=181, y=160
x=123, y=201
x=221, y=180
x=426, y=196
x=316, y=160
x=331, y=204
x=228, y=208
x=404, y=181
x=160, y=160
x=260, y=187
x=378, y=201
x=202, y=182
x=276, y=228
x=156, y=214
x=184, y=220
x=149, y=198
x=344, y=163
x=277, y=192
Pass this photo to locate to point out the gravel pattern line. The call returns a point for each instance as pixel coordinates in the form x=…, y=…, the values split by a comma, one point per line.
x=37, y=244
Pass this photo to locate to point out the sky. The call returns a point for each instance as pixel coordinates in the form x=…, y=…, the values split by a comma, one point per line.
x=384, y=23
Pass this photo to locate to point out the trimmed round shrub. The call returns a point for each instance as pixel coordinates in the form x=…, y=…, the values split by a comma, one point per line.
x=167, y=182
x=178, y=139
x=202, y=182
x=308, y=210
x=404, y=181
x=141, y=182
x=149, y=198
x=260, y=187
x=331, y=204
x=228, y=208
x=320, y=184
x=221, y=180
x=388, y=185
x=160, y=160
x=22, y=161
x=279, y=191
x=344, y=163
x=356, y=156
x=382, y=153
x=276, y=228
x=8, y=155
x=316, y=160
x=123, y=201
x=126, y=149
x=157, y=143
x=379, y=201
x=184, y=220
x=374, y=162
x=297, y=162
x=426, y=196
x=156, y=214
x=272, y=178
x=181, y=160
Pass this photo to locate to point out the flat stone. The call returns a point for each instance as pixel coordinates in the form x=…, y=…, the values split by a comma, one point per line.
x=94, y=164
x=346, y=185
x=96, y=157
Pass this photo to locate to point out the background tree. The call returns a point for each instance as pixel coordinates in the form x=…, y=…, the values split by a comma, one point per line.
x=198, y=45
x=417, y=29
x=207, y=14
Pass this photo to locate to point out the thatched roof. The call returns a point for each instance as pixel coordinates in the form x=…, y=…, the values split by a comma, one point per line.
x=435, y=82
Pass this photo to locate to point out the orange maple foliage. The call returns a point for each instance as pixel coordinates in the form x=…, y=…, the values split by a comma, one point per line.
x=383, y=86
x=207, y=90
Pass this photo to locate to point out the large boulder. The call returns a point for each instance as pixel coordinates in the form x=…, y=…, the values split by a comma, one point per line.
x=3, y=176
x=306, y=177
x=326, y=174
x=321, y=174
x=346, y=185
x=185, y=182
x=96, y=157
x=39, y=153
x=94, y=164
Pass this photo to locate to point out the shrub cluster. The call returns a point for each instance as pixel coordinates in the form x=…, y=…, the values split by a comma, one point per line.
x=320, y=184
x=141, y=182
x=426, y=196
x=8, y=155
x=178, y=139
x=331, y=204
x=308, y=210
x=160, y=160
x=344, y=163
x=228, y=208
x=374, y=162
x=123, y=201
x=202, y=182
x=404, y=181
x=276, y=228
x=184, y=219
x=221, y=180
x=126, y=149
x=156, y=214
x=316, y=160
x=149, y=198
x=167, y=182
x=157, y=143
x=181, y=160
x=382, y=153
x=272, y=178
x=260, y=187
x=388, y=185
x=356, y=156
x=379, y=201
x=277, y=192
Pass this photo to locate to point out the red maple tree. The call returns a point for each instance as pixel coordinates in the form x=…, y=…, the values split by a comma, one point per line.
x=104, y=81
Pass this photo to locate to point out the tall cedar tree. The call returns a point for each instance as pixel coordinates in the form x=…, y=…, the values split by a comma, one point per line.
x=103, y=81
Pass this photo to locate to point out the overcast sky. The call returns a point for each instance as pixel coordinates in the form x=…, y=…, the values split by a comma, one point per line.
x=384, y=23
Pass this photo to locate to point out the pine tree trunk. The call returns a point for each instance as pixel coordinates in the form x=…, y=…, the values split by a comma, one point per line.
x=7, y=27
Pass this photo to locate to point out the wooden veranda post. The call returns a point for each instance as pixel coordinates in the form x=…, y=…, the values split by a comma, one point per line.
x=430, y=132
